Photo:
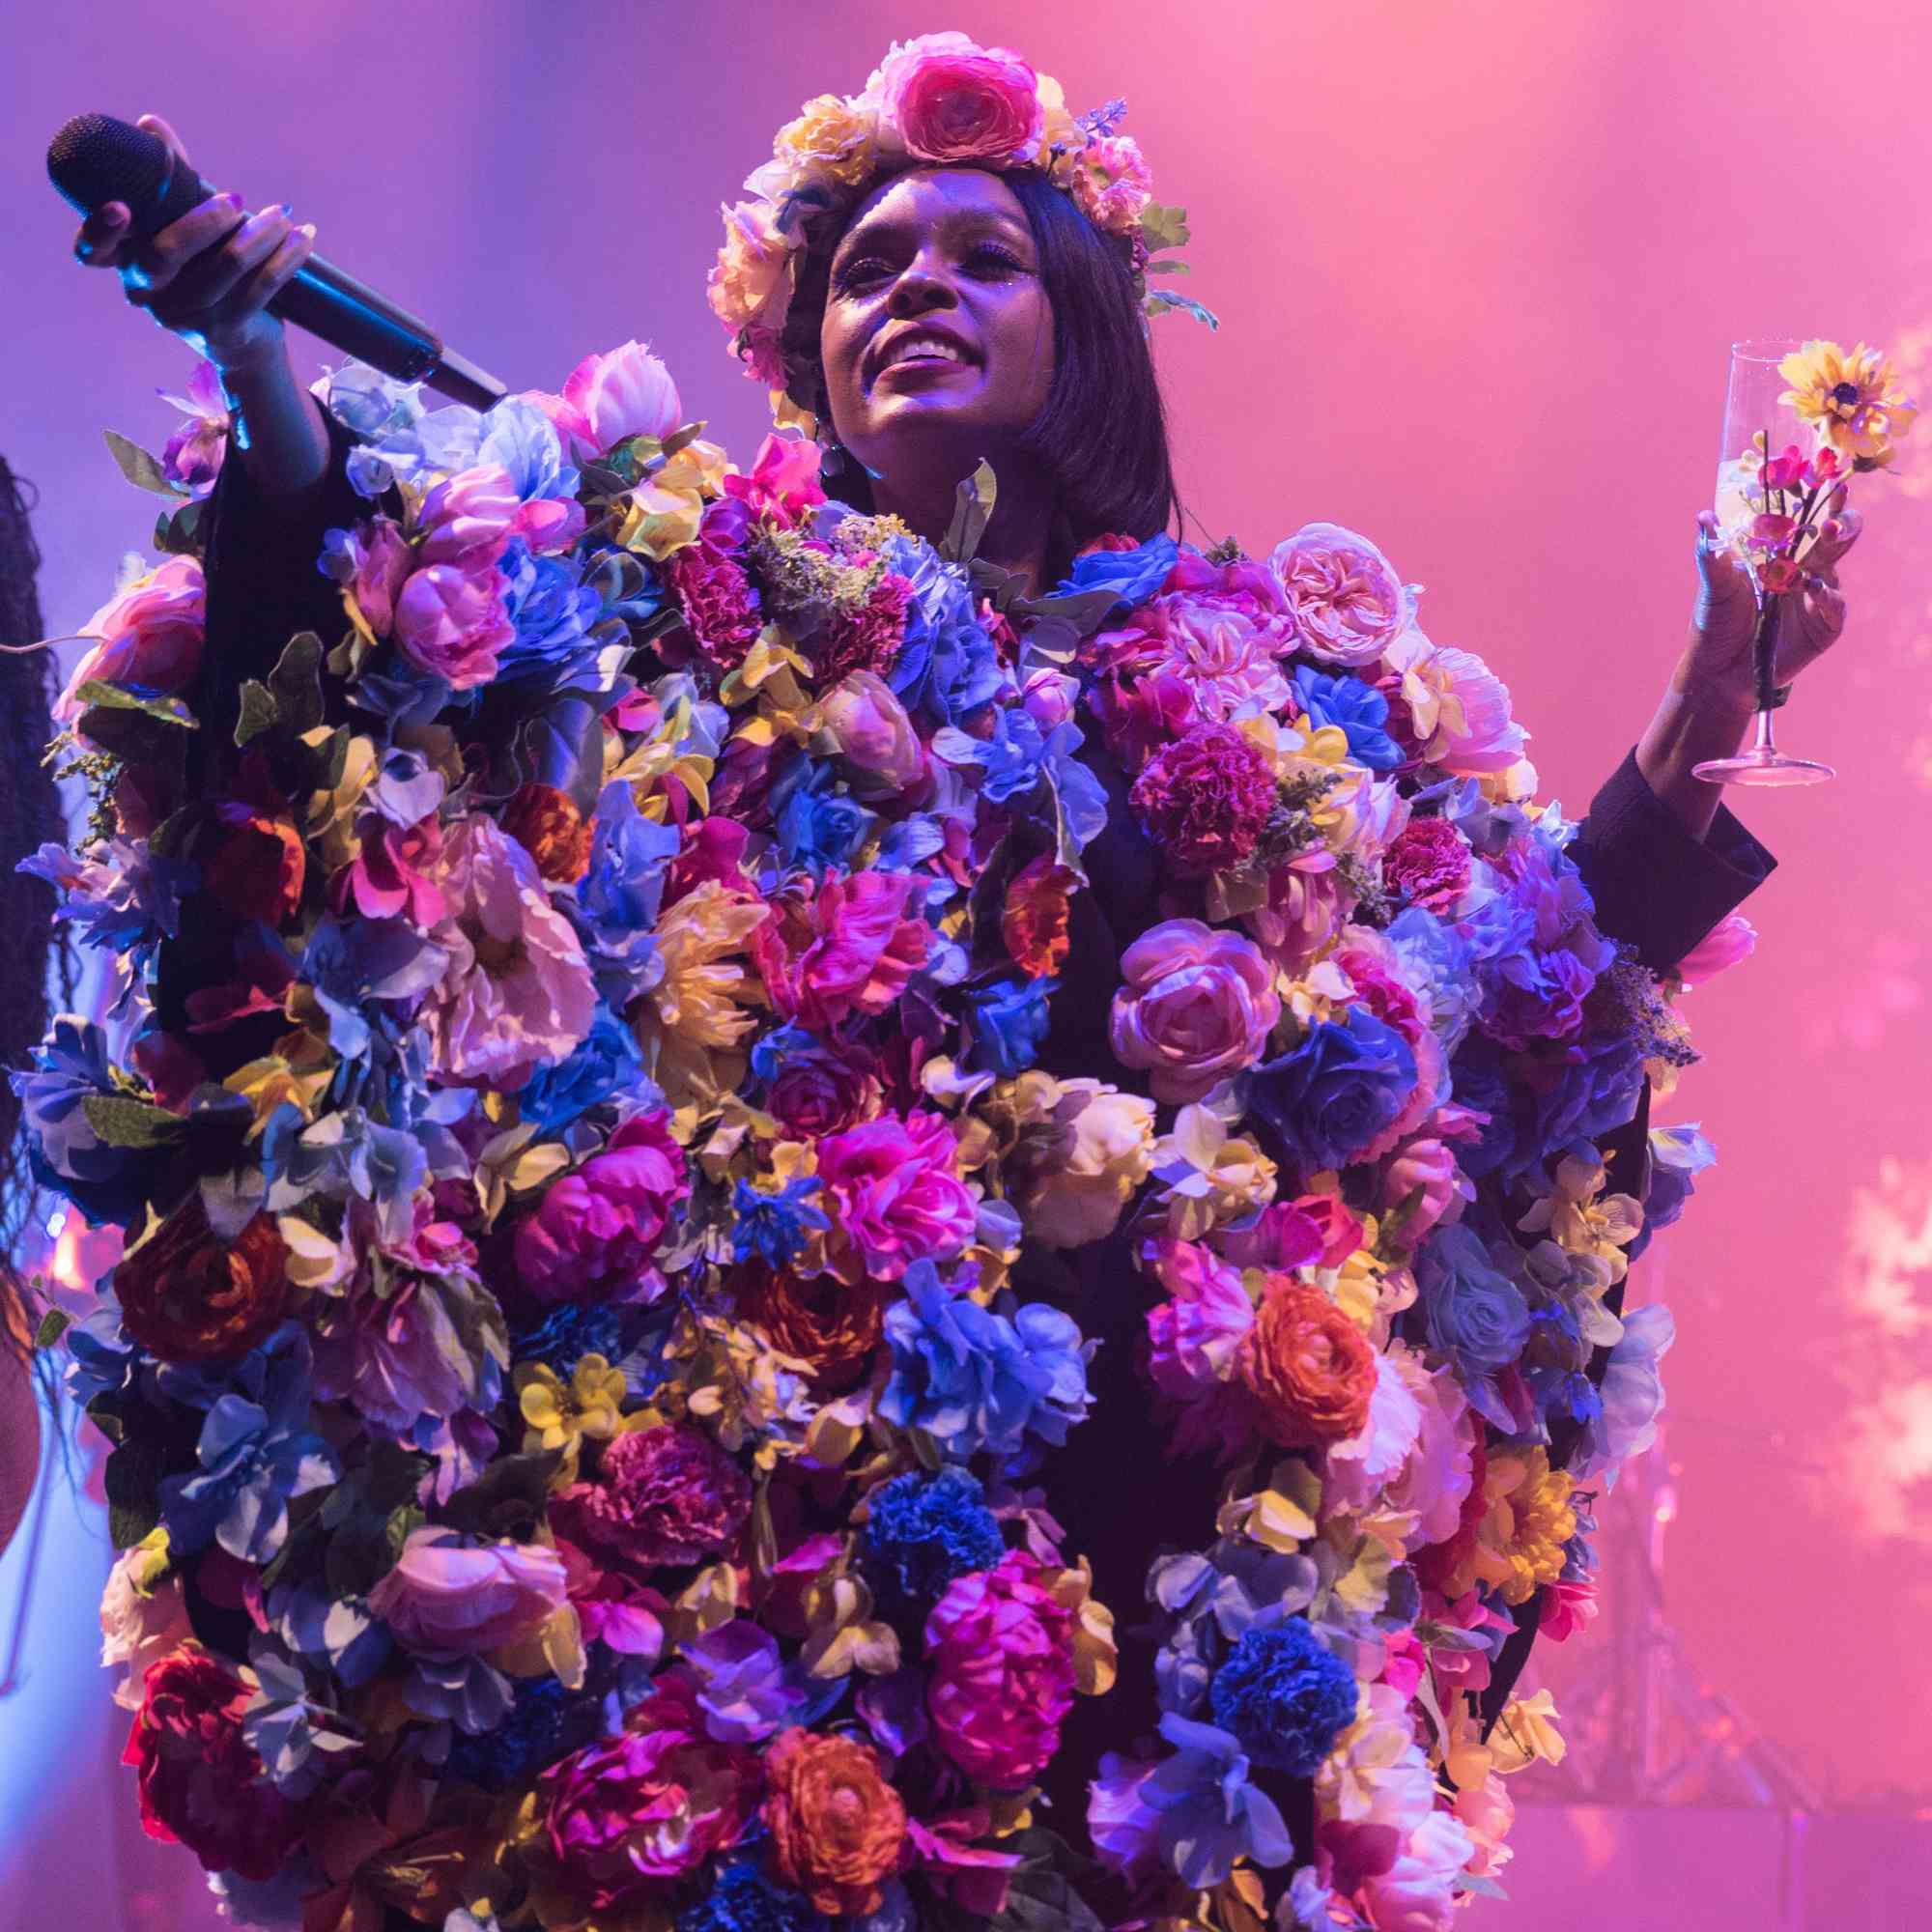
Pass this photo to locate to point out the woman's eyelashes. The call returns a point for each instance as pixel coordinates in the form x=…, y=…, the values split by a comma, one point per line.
x=989, y=260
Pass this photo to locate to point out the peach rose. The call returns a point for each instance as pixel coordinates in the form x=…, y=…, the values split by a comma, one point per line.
x=1348, y=601
x=953, y=100
x=150, y=635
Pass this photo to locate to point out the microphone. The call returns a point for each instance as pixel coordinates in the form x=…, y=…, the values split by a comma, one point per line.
x=96, y=158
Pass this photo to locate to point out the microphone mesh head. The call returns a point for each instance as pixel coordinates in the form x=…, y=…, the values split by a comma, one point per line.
x=96, y=158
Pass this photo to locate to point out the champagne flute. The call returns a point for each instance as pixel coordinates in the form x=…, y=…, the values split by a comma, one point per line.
x=1768, y=493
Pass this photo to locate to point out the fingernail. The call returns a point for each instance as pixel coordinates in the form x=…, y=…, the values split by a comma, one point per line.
x=307, y=228
x=287, y=209
x=231, y=200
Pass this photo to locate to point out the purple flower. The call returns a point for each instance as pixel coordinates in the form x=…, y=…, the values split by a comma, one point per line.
x=742, y=1685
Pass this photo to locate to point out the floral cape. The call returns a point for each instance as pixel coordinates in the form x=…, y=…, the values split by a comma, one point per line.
x=581, y=1095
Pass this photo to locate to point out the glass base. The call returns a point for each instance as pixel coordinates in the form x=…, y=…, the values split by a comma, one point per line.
x=1763, y=766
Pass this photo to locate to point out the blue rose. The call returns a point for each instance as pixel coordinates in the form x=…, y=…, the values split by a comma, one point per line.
x=1357, y=709
x=947, y=665
x=553, y=612
x=819, y=823
x=603, y=1062
x=1010, y=1023
x=1133, y=576
x=1285, y=1695
x=1475, y=1316
x=1339, y=1088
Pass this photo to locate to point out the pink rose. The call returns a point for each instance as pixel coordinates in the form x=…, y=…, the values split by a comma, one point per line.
x=1000, y=1650
x=452, y=621
x=372, y=564
x=516, y=994
x=150, y=635
x=597, y=1227
x=623, y=392
x=467, y=518
x=850, y=950
x=893, y=1194
x=783, y=482
x=876, y=740
x=628, y=1816
x=1348, y=602
x=823, y=1089
x=663, y=1495
x=1196, y=1007
x=952, y=101
x=448, y=1597
x=1426, y=1170
x=1459, y=708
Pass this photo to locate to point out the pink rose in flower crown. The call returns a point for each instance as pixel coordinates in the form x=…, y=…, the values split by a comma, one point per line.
x=446, y=1596
x=663, y=1495
x=202, y=1784
x=999, y=1651
x=516, y=993
x=1195, y=1007
x=891, y=1189
x=1348, y=602
x=878, y=744
x=150, y=635
x=1206, y=799
x=952, y=101
x=628, y=1816
x=851, y=951
x=466, y=517
x=453, y=621
x=621, y=394
x=597, y=1227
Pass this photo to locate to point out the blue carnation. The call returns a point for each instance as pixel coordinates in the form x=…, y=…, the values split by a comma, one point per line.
x=1133, y=576
x=741, y=1899
x=568, y=1332
x=775, y=1226
x=546, y=1723
x=1009, y=1024
x=1357, y=709
x=1336, y=1091
x=972, y=1380
x=922, y=1531
x=1475, y=1316
x=1284, y=1695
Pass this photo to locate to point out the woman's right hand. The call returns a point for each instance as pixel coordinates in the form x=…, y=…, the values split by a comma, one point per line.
x=207, y=278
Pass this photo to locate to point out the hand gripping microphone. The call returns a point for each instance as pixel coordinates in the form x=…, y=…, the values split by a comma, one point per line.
x=95, y=160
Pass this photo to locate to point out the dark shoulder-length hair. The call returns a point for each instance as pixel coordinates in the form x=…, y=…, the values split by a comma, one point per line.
x=1102, y=433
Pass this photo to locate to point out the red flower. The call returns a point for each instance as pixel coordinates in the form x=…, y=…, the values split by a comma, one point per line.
x=721, y=603
x=202, y=1784
x=257, y=870
x=1309, y=1367
x=867, y=638
x=1206, y=797
x=187, y=1298
x=548, y=825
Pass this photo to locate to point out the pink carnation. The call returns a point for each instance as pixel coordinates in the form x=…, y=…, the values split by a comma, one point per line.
x=851, y=951
x=952, y=101
x=446, y=1597
x=628, y=1816
x=1206, y=799
x=516, y=994
x=1428, y=864
x=597, y=1227
x=453, y=621
x=621, y=394
x=150, y=635
x=1196, y=1007
x=893, y=1194
x=867, y=638
x=1348, y=602
x=1112, y=184
x=721, y=603
x=663, y=1495
x=1000, y=1650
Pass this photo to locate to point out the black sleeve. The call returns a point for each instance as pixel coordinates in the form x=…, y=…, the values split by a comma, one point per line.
x=1655, y=884
x=264, y=584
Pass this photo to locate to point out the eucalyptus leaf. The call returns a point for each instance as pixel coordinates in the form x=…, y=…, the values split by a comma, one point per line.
x=120, y=1120
x=1163, y=299
x=54, y=1323
x=141, y=469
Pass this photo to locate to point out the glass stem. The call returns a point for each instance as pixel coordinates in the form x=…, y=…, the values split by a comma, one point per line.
x=1763, y=745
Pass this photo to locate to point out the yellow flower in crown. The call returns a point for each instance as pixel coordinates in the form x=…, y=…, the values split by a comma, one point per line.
x=833, y=138
x=1853, y=397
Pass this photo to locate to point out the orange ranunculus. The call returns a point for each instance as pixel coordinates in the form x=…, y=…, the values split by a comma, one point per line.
x=824, y=1321
x=187, y=1296
x=1311, y=1370
x=1035, y=922
x=836, y=1826
x=548, y=825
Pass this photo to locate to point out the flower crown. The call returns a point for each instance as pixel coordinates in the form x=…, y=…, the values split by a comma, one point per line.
x=938, y=99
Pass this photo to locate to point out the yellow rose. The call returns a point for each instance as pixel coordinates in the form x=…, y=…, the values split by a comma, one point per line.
x=832, y=137
x=1112, y=1153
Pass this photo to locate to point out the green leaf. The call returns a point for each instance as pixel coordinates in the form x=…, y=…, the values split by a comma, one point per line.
x=259, y=712
x=54, y=1323
x=178, y=532
x=297, y=683
x=132, y=1477
x=1163, y=227
x=681, y=439
x=972, y=512
x=508, y=1498
x=1169, y=269
x=96, y=696
x=1160, y=300
x=140, y=468
x=120, y=1121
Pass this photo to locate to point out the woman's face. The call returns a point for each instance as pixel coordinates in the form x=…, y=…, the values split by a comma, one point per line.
x=937, y=341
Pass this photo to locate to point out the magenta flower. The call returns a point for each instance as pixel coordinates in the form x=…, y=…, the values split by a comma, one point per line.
x=622, y=392
x=597, y=1227
x=952, y=101
x=467, y=518
x=893, y=1194
x=663, y=1495
x=452, y=621
x=1196, y=1007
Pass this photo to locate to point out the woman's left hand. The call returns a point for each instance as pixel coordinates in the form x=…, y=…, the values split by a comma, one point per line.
x=1713, y=692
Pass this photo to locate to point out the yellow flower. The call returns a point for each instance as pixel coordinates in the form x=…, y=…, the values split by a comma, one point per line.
x=1095, y=1656
x=1855, y=399
x=558, y=1416
x=701, y=998
x=1519, y=1545
x=1578, y=1216
x=1111, y=1153
x=662, y=513
x=1218, y=1177
x=1527, y=1733
x=831, y=139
